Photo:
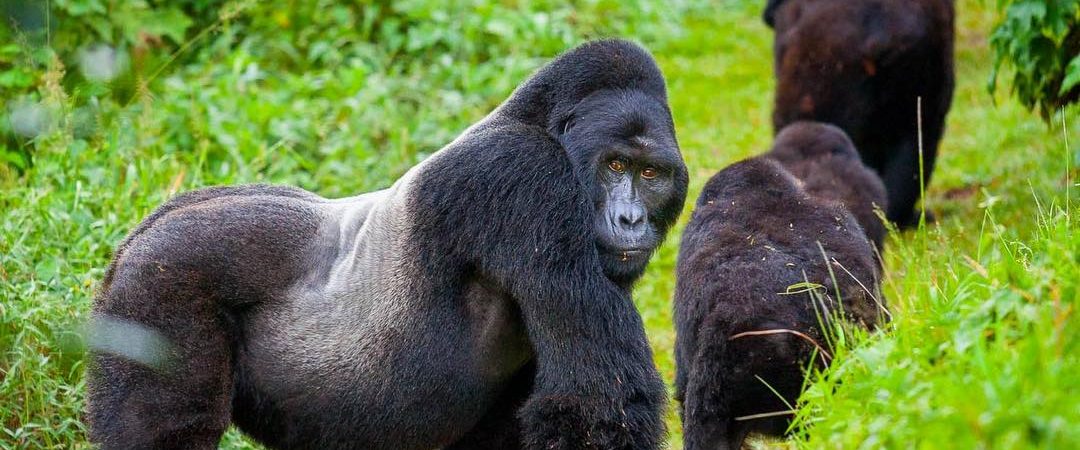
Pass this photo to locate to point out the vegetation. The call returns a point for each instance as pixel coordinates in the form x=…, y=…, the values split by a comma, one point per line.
x=342, y=97
x=1040, y=40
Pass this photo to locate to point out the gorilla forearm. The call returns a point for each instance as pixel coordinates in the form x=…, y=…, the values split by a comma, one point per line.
x=593, y=360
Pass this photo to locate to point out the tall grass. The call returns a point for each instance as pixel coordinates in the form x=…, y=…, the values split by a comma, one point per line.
x=982, y=353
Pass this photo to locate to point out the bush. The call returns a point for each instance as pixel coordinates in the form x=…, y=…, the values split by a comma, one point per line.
x=381, y=59
x=1040, y=41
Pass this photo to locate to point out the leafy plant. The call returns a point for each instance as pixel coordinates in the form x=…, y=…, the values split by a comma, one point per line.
x=1040, y=41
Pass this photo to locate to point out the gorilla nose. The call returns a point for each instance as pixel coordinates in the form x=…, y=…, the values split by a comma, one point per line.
x=631, y=217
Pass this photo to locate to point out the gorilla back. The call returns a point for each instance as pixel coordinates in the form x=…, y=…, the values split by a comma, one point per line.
x=482, y=301
x=862, y=65
x=746, y=325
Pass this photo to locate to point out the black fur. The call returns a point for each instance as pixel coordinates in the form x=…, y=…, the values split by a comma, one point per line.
x=823, y=158
x=769, y=15
x=861, y=65
x=468, y=306
x=753, y=234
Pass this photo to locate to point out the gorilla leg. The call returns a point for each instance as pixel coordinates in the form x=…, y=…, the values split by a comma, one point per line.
x=707, y=423
x=162, y=376
x=499, y=428
x=901, y=177
x=730, y=378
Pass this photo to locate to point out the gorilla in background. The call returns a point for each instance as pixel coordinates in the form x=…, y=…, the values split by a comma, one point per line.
x=482, y=301
x=745, y=326
x=861, y=65
x=827, y=165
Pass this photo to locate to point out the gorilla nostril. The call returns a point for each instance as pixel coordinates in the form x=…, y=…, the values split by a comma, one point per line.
x=631, y=220
x=627, y=215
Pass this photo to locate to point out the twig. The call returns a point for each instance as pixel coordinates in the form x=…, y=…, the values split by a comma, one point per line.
x=226, y=15
x=824, y=354
x=922, y=182
x=765, y=415
x=1068, y=170
x=871, y=294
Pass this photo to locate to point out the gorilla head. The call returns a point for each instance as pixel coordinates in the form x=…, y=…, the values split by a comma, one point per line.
x=827, y=164
x=606, y=104
x=813, y=140
x=623, y=146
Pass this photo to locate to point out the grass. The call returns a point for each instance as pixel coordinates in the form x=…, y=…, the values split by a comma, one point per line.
x=982, y=352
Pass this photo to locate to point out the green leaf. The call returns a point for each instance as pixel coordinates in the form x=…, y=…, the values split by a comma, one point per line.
x=170, y=22
x=10, y=50
x=16, y=78
x=1072, y=76
x=82, y=8
x=12, y=157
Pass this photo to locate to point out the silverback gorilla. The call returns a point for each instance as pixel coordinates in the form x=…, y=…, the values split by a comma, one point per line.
x=827, y=165
x=861, y=65
x=482, y=301
x=744, y=327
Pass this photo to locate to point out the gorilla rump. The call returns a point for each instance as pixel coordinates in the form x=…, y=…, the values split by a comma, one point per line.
x=861, y=65
x=482, y=301
x=744, y=327
x=826, y=163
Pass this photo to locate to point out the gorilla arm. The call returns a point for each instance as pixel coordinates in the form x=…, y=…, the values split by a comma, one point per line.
x=596, y=385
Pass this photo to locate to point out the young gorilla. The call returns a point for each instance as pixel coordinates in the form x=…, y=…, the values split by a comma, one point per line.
x=740, y=334
x=492, y=281
x=828, y=167
x=861, y=65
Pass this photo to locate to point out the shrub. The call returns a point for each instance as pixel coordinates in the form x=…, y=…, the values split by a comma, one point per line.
x=1040, y=41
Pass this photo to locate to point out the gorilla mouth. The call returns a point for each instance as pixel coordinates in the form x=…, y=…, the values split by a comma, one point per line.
x=628, y=254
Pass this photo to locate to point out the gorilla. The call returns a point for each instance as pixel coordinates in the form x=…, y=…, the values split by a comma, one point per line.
x=828, y=167
x=764, y=269
x=482, y=301
x=861, y=65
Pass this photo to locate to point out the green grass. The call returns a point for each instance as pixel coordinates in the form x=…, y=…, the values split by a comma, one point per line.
x=982, y=352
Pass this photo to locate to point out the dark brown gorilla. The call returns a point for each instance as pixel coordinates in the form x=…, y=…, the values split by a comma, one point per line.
x=823, y=158
x=861, y=65
x=745, y=326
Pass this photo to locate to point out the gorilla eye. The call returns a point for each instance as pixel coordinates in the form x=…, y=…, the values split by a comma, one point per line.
x=616, y=166
x=649, y=173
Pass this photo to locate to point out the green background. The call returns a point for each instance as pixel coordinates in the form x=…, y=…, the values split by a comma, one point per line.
x=341, y=98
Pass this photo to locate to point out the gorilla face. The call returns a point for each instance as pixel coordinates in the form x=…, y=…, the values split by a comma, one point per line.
x=623, y=145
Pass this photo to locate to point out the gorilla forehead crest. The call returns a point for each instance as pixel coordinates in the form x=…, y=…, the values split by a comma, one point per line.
x=629, y=116
x=600, y=68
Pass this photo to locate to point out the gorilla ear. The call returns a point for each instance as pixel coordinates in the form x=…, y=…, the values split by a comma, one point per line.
x=769, y=16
